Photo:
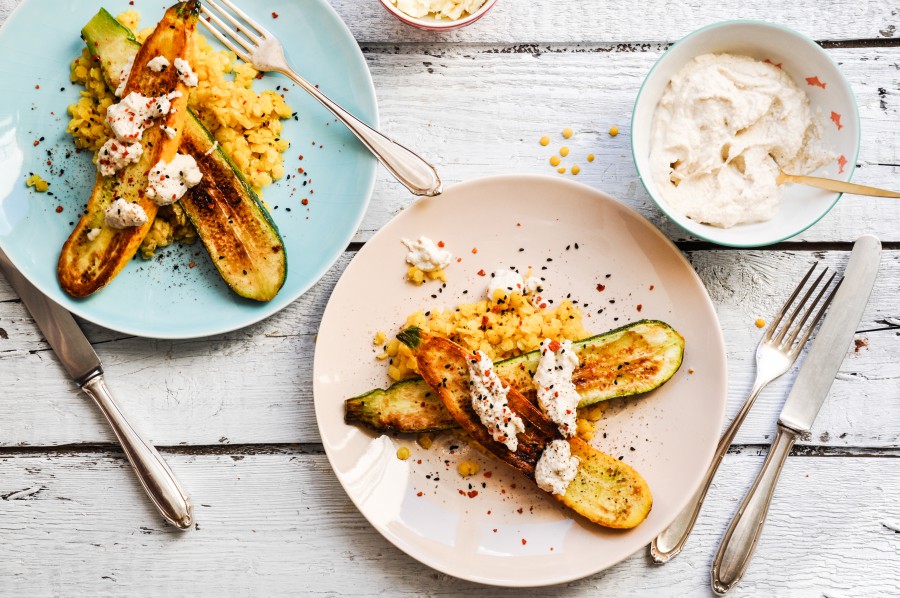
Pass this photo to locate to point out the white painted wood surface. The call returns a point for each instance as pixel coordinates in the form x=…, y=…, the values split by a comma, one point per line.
x=272, y=520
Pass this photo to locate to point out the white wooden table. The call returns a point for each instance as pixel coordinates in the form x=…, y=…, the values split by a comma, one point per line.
x=234, y=415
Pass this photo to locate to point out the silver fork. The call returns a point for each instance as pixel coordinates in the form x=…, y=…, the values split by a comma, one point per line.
x=255, y=45
x=775, y=354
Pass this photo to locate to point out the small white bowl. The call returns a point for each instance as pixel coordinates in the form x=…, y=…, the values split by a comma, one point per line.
x=433, y=24
x=801, y=58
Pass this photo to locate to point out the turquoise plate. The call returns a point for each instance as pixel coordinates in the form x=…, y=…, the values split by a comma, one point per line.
x=164, y=297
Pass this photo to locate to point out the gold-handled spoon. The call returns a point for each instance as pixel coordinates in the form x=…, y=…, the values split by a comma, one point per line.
x=833, y=185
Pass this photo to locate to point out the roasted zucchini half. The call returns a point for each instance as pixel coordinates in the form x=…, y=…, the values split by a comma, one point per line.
x=88, y=263
x=605, y=490
x=630, y=360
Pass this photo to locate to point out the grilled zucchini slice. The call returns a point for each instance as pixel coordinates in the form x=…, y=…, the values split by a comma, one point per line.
x=630, y=360
x=231, y=221
x=87, y=265
x=605, y=490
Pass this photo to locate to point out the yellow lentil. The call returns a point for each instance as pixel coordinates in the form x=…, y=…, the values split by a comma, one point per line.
x=567, y=132
x=554, y=161
x=403, y=453
x=563, y=151
x=561, y=170
x=590, y=157
x=614, y=130
x=545, y=140
x=468, y=468
x=425, y=441
x=760, y=323
x=380, y=337
x=576, y=169
x=39, y=184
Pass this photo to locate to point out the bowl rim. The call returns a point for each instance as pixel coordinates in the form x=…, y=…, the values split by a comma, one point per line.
x=428, y=25
x=765, y=24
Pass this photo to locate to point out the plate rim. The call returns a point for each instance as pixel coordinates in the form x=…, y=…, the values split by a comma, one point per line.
x=74, y=306
x=723, y=391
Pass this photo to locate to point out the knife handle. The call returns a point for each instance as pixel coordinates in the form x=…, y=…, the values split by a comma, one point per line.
x=740, y=540
x=155, y=476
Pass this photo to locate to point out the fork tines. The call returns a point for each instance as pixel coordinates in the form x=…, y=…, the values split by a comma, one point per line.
x=786, y=338
x=246, y=33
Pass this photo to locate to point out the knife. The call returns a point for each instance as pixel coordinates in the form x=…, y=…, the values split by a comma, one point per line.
x=81, y=362
x=803, y=403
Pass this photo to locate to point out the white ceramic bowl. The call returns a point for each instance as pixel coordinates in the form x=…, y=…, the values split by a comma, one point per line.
x=801, y=58
x=432, y=24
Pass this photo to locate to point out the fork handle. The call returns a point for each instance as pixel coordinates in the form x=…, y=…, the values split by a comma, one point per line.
x=409, y=168
x=155, y=476
x=740, y=540
x=669, y=543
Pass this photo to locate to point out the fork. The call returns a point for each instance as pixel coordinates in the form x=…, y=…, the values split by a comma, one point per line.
x=776, y=353
x=258, y=47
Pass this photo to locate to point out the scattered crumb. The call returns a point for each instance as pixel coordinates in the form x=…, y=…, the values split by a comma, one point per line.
x=380, y=337
x=690, y=370
x=425, y=441
x=859, y=344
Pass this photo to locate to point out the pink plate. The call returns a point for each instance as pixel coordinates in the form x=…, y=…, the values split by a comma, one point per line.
x=498, y=528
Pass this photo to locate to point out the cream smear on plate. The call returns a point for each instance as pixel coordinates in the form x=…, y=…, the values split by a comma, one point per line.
x=724, y=127
x=449, y=9
x=425, y=255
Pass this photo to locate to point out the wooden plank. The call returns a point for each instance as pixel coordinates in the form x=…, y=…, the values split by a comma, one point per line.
x=572, y=21
x=478, y=112
x=279, y=524
x=254, y=385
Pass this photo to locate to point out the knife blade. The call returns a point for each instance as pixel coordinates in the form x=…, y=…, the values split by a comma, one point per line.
x=833, y=338
x=82, y=363
x=800, y=409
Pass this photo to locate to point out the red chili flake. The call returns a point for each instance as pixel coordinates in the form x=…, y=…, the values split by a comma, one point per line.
x=300, y=170
x=836, y=119
x=418, y=494
x=484, y=321
x=459, y=260
x=131, y=3
x=519, y=510
x=441, y=244
x=36, y=143
x=524, y=541
x=652, y=287
x=462, y=492
x=488, y=475
x=482, y=272
x=191, y=265
x=259, y=75
x=767, y=61
x=474, y=250
x=37, y=86
x=472, y=493
x=488, y=512
x=518, y=224
x=301, y=157
x=842, y=161
x=640, y=306
x=814, y=81
x=601, y=288
x=495, y=530
x=554, y=346
x=305, y=202
x=502, y=490
x=274, y=15
x=59, y=209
